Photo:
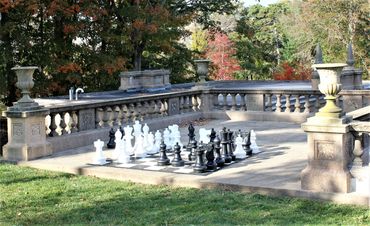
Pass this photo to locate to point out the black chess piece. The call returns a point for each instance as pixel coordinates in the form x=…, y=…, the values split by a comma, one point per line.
x=199, y=166
x=247, y=141
x=163, y=159
x=230, y=144
x=212, y=136
x=210, y=156
x=191, y=135
x=122, y=131
x=220, y=161
x=224, y=144
x=193, y=148
x=177, y=160
x=111, y=143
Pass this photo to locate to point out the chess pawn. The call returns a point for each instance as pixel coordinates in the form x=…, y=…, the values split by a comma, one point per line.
x=193, y=145
x=230, y=145
x=224, y=144
x=137, y=128
x=210, y=156
x=254, y=146
x=118, y=145
x=166, y=138
x=199, y=166
x=163, y=159
x=99, y=158
x=212, y=136
x=111, y=143
x=239, y=152
x=150, y=144
x=158, y=140
x=177, y=160
x=220, y=161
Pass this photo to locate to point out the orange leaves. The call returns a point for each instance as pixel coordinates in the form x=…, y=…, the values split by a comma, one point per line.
x=6, y=5
x=295, y=72
x=72, y=28
x=69, y=68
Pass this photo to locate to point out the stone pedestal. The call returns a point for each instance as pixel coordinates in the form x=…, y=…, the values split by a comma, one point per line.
x=329, y=148
x=148, y=80
x=26, y=135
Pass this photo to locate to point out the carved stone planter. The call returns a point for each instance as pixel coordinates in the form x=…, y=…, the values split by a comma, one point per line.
x=202, y=69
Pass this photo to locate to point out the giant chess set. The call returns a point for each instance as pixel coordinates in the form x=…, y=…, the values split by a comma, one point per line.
x=135, y=147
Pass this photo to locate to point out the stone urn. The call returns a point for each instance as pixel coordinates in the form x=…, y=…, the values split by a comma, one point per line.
x=25, y=83
x=202, y=69
x=330, y=86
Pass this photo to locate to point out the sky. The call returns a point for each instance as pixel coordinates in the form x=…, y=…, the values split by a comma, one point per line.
x=262, y=2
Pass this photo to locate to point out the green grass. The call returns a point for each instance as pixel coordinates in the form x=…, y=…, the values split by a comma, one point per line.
x=30, y=196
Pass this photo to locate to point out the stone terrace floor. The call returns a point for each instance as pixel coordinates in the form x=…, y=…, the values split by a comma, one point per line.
x=274, y=171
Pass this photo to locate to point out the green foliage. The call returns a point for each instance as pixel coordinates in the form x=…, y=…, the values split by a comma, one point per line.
x=258, y=40
x=30, y=197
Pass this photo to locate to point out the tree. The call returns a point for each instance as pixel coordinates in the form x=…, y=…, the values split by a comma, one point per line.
x=258, y=40
x=221, y=52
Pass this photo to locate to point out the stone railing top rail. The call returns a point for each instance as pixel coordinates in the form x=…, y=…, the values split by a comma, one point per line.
x=359, y=112
x=57, y=104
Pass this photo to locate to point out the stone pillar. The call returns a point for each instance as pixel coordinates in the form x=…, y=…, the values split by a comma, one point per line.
x=206, y=100
x=329, y=139
x=329, y=148
x=26, y=123
x=357, y=80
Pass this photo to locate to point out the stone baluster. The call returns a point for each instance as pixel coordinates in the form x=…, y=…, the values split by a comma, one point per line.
x=162, y=108
x=242, y=102
x=233, y=101
x=126, y=113
x=121, y=115
x=358, y=149
x=185, y=108
x=73, y=123
x=287, y=103
x=146, y=110
x=195, y=103
x=307, y=104
x=269, y=102
x=63, y=124
x=297, y=104
x=99, y=112
x=181, y=107
x=224, y=102
x=107, y=116
x=190, y=101
x=139, y=110
x=199, y=102
x=116, y=116
x=156, y=110
x=134, y=112
x=53, y=125
x=278, y=102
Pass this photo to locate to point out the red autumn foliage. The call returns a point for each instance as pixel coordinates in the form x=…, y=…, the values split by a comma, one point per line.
x=292, y=72
x=220, y=51
x=70, y=68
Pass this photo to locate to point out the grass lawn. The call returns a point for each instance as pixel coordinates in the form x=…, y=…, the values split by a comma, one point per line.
x=30, y=196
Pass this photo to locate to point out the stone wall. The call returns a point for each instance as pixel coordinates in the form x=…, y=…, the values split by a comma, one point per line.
x=148, y=80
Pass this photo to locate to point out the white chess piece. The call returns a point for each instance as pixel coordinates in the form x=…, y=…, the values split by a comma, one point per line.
x=150, y=144
x=254, y=146
x=124, y=155
x=145, y=136
x=138, y=147
x=166, y=138
x=118, y=140
x=239, y=151
x=204, y=135
x=137, y=128
x=99, y=158
x=128, y=137
x=157, y=141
